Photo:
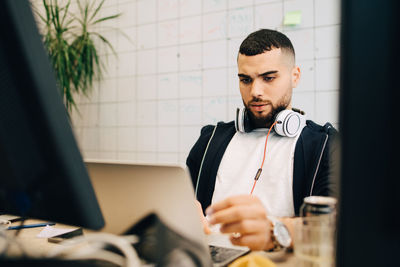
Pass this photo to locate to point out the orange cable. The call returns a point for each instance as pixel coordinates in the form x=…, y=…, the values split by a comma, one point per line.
x=265, y=147
x=262, y=163
x=254, y=185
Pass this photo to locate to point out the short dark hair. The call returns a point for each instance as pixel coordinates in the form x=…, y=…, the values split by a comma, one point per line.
x=265, y=40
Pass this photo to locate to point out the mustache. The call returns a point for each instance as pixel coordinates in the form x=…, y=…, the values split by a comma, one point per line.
x=258, y=101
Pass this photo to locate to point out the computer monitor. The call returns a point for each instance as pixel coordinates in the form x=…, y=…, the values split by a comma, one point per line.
x=42, y=174
x=368, y=229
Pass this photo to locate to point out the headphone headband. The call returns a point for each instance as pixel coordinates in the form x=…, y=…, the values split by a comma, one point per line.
x=289, y=122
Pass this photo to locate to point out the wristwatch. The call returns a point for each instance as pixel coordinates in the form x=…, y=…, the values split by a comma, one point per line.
x=279, y=234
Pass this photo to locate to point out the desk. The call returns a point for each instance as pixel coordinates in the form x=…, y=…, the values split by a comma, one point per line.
x=37, y=247
x=31, y=244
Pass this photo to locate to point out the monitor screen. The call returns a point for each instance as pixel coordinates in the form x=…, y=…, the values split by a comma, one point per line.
x=368, y=229
x=42, y=172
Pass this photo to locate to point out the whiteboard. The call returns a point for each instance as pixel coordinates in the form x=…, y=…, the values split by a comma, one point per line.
x=178, y=73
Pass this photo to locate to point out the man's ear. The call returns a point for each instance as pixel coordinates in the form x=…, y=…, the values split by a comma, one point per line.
x=296, y=74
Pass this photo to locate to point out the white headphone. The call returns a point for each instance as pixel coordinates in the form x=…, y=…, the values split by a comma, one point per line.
x=288, y=122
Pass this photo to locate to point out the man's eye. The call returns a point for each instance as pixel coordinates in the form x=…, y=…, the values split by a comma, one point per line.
x=245, y=81
x=269, y=79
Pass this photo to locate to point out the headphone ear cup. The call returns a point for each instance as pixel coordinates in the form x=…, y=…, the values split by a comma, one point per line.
x=239, y=120
x=242, y=121
x=289, y=123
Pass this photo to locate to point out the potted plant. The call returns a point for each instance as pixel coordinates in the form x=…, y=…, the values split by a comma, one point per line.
x=70, y=40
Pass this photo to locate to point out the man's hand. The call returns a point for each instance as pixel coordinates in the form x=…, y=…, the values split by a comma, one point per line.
x=245, y=217
x=203, y=219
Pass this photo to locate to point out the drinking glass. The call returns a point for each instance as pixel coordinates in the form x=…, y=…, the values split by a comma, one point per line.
x=314, y=242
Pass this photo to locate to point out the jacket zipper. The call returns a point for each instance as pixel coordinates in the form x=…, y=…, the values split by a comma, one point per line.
x=202, y=160
x=319, y=162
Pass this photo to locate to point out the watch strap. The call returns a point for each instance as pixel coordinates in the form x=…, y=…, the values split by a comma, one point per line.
x=276, y=245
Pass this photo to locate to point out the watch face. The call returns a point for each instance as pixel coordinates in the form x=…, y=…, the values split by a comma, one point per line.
x=282, y=234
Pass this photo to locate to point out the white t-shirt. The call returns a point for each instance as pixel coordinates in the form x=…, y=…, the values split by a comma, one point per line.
x=243, y=158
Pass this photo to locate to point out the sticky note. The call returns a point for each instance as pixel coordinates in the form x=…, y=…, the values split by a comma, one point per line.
x=292, y=18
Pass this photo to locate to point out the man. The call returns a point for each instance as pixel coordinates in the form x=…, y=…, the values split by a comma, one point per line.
x=224, y=161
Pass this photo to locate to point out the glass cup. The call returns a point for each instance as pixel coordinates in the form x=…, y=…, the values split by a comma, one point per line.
x=314, y=242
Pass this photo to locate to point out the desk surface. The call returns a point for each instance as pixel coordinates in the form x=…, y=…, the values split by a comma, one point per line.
x=38, y=247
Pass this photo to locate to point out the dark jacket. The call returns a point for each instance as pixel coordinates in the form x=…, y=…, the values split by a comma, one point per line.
x=312, y=171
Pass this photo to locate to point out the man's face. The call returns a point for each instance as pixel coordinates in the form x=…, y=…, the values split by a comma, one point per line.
x=266, y=81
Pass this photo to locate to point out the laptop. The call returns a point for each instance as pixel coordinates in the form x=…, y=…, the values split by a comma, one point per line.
x=127, y=192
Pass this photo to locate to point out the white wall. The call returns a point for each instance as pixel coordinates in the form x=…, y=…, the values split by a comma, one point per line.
x=178, y=73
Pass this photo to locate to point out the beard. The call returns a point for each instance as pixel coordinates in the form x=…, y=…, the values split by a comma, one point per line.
x=257, y=119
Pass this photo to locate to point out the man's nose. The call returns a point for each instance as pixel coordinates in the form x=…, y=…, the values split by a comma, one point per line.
x=256, y=89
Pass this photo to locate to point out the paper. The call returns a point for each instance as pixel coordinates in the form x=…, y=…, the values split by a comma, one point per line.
x=50, y=231
x=292, y=18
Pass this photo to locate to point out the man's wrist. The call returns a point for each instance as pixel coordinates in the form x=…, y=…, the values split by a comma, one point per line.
x=280, y=235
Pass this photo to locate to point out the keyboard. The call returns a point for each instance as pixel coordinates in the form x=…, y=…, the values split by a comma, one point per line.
x=222, y=256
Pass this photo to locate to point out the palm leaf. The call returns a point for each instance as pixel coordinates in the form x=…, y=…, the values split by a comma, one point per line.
x=65, y=12
x=106, y=18
x=105, y=41
x=96, y=10
x=71, y=47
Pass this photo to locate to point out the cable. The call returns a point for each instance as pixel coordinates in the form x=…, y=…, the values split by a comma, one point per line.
x=3, y=241
x=257, y=176
x=102, y=255
x=22, y=222
x=7, y=240
x=124, y=244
